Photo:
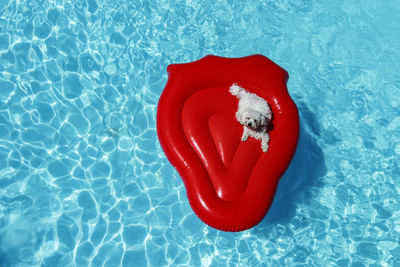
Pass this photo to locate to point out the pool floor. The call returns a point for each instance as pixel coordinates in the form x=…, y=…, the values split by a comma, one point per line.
x=84, y=181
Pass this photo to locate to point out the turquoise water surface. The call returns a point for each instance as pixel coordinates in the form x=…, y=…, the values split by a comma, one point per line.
x=84, y=181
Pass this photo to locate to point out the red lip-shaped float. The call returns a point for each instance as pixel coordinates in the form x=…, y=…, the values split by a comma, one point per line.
x=230, y=184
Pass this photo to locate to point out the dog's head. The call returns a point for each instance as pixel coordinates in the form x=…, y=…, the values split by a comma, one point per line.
x=254, y=120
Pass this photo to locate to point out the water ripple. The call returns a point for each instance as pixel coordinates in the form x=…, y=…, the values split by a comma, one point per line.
x=83, y=179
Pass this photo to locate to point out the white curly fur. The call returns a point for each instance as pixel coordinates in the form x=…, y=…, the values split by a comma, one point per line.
x=254, y=114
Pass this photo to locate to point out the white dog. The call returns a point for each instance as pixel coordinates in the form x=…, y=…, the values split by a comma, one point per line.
x=254, y=114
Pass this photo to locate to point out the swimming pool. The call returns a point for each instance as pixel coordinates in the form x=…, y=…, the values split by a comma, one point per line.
x=83, y=179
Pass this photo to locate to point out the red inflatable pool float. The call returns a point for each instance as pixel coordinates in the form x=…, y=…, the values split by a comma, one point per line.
x=230, y=184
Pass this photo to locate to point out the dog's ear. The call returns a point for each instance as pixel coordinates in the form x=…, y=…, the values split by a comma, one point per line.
x=263, y=120
x=239, y=117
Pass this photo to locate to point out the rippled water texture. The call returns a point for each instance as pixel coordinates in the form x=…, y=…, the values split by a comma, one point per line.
x=83, y=179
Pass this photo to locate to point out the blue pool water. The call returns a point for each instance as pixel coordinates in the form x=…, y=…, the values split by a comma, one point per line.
x=84, y=181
